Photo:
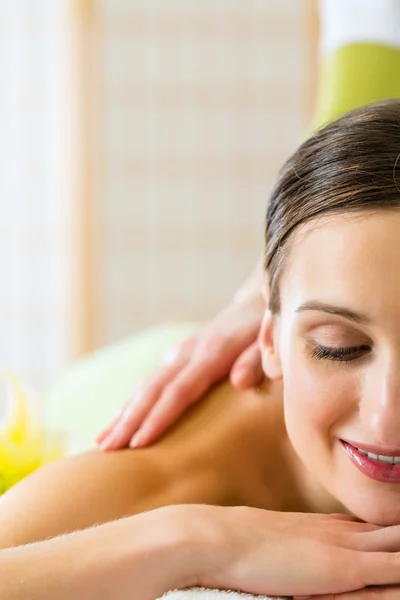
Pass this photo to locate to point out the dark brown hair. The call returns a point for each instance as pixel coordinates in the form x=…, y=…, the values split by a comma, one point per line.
x=353, y=164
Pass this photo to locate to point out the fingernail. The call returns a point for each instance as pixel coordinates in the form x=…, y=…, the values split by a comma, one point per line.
x=136, y=441
x=112, y=439
x=99, y=438
x=104, y=444
x=239, y=375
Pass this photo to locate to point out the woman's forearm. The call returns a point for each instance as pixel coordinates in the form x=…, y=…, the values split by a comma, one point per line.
x=138, y=557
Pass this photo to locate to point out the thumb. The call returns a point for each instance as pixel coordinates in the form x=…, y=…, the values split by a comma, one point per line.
x=247, y=370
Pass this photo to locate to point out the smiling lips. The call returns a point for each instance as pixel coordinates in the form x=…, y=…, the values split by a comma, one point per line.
x=380, y=467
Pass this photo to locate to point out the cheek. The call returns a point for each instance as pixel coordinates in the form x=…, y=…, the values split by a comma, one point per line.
x=319, y=395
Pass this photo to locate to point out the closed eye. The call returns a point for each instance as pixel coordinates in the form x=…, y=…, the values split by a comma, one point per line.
x=340, y=354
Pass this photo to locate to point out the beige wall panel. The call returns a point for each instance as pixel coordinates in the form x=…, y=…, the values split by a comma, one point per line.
x=201, y=102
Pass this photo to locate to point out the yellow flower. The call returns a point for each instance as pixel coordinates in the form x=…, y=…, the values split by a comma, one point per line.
x=25, y=442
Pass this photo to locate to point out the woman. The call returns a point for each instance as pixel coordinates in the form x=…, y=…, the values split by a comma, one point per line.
x=326, y=441
x=359, y=63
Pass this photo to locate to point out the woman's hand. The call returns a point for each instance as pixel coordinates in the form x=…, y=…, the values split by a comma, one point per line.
x=176, y=547
x=371, y=593
x=293, y=554
x=227, y=346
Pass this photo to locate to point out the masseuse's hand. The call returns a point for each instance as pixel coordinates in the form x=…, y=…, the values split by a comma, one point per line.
x=292, y=554
x=226, y=346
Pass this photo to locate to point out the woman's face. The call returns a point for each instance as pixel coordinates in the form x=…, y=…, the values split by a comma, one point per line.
x=337, y=341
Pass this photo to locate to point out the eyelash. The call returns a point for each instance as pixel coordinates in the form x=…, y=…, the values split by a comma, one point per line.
x=339, y=354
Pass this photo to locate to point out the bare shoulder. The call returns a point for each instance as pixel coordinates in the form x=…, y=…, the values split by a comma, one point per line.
x=203, y=459
x=225, y=408
x=253, y=413
x=255, y=456
x=79, y=492
x=266, y=470
x=234, y=435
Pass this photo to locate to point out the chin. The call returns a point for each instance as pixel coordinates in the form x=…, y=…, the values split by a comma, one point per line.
x=376, y=512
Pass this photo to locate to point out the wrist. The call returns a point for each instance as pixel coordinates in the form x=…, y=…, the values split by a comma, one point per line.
x=168, y=550
x=182, y=547
x=250, y=293
x=203, y=552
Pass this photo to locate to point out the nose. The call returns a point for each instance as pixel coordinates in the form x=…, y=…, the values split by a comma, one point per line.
x=380, y=405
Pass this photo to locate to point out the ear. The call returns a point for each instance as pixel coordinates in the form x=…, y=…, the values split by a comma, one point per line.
x=267, y=342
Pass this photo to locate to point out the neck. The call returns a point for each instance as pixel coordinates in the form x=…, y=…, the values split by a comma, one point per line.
x=233, y=449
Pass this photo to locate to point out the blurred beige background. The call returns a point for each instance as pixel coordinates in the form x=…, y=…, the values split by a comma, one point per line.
x=142, y=140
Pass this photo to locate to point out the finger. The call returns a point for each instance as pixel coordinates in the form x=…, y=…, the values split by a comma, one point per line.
x=215, y=357
x=181, y=352
x=385, y=539
x=356, y=528
x=211, y=364
x=175, y=400
x=174, y=359
x=247, y=370
x=165, y=413
x=377, y=569
x=139, y=406
x=346, y=517
x=189, y=385
x=103, y=434
x=350, y=522
x=371, y=593
x=118, y=434
x=223, y=349
x=106, y=432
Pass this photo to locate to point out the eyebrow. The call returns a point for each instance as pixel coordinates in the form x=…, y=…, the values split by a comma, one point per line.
x=334, y=310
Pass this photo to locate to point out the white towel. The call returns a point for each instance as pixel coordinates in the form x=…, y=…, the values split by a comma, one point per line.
x=202, y=594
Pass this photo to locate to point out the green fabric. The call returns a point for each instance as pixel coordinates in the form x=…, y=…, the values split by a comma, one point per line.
x=90, y=393
x=355, y=75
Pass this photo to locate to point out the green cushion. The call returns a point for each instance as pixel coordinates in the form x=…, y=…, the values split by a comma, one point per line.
x=355, y=75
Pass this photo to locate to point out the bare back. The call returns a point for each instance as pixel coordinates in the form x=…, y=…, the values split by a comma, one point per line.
x=231, y=449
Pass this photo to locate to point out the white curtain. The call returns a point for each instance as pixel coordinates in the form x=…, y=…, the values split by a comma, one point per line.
x=36, y=186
